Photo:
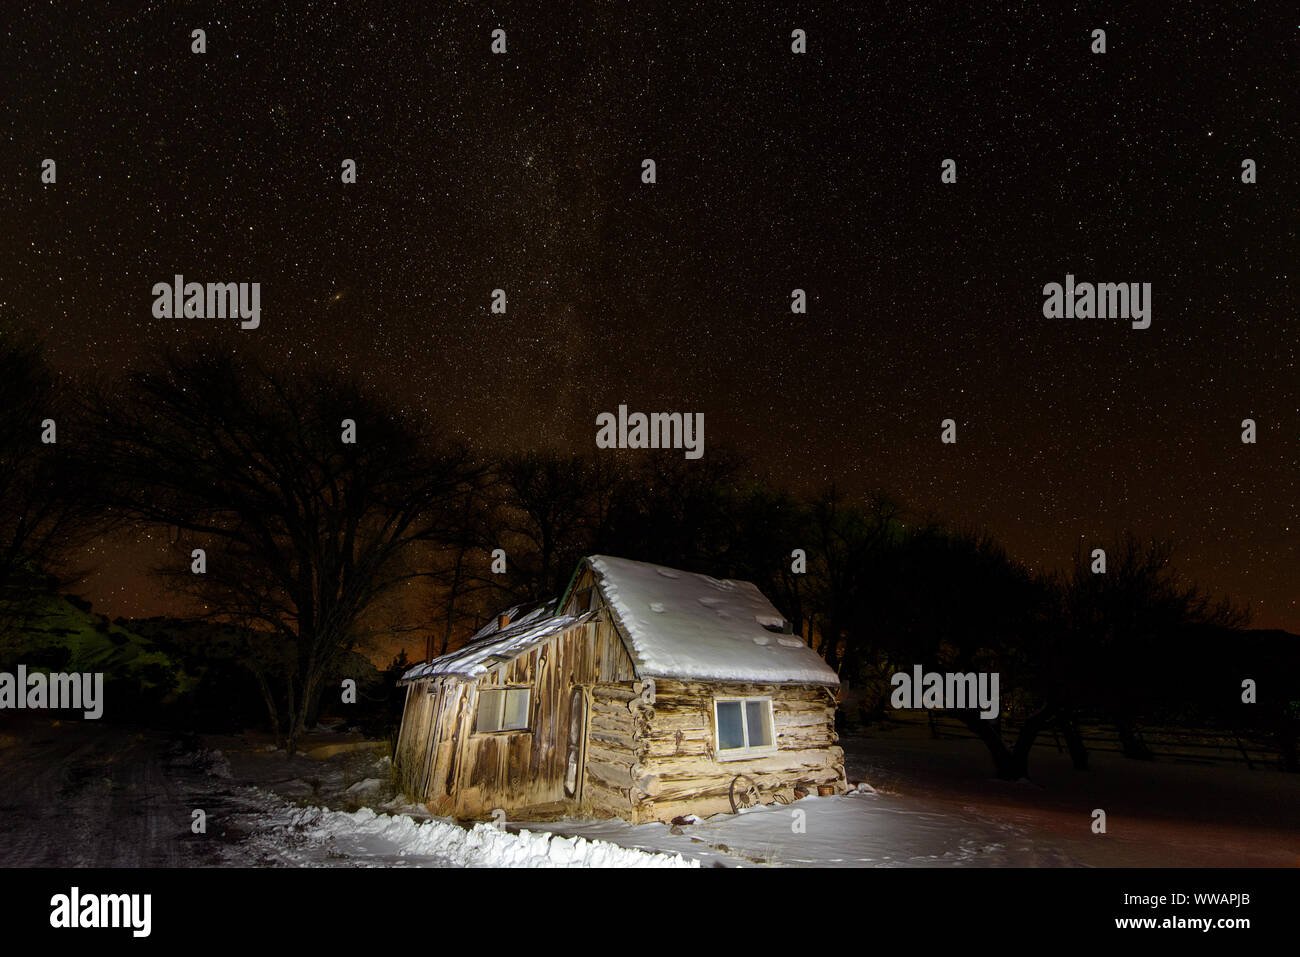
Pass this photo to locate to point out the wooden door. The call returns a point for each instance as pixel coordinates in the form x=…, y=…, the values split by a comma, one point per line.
x=575, y=763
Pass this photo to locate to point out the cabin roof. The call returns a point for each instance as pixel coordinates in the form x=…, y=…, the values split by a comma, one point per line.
x=676, y=624
x=517, y=615
x=483, y=654
x=685, y=625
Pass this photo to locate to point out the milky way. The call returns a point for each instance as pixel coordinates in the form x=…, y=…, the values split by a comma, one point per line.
x=775, y=171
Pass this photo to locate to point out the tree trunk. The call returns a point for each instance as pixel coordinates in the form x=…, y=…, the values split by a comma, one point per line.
x=291, y=742
x=452, y=593
x=268, y=698
x=311, y=691
x=1005, y=765
x=1287, y=741
x=1130, y=740
x=1074, y=742
x=1029, y=732
x=1010, y=764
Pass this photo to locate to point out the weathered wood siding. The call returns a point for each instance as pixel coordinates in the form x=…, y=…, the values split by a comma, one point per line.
x=458, y=771
x=412, y=752
x=426, y=745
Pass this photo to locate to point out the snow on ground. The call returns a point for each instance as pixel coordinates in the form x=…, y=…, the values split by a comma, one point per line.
x=935, y=805
x=313, y=836
x=368, y=825
x=74, y=793
x=342, y=811
x=1163, y=813
x=852, y=830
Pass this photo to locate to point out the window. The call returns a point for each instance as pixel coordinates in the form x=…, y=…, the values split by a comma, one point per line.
x=502, y=709
x=581, y=602
x=744, y=727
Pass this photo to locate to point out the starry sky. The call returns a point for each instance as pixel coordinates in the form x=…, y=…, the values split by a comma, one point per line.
x=775, y=171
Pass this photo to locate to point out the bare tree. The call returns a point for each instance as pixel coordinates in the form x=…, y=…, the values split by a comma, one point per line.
x=303, y=531
x=1137, y=611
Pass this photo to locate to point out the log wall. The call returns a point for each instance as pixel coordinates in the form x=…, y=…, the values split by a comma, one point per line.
x=680, y=774
x=615, y=749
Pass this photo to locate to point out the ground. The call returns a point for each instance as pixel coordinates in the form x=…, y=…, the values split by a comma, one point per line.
x=82, y=793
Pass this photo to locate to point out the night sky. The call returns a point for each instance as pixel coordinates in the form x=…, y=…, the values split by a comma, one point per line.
x=775, y=171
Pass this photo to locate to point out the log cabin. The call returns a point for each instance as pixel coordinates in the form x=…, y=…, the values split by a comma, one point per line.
x=644, y=693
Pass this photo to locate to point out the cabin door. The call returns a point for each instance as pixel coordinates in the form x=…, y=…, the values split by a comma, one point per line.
x=574, y=765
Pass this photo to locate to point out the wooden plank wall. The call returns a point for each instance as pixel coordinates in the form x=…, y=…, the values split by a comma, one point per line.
x=426, y=743
x=470, y=774
x=411, y=754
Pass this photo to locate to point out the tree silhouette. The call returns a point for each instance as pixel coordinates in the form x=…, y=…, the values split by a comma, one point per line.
x=304, y=533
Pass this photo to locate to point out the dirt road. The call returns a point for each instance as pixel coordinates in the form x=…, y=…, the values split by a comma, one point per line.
x=87, y=794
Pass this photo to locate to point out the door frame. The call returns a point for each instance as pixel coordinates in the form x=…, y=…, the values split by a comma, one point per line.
x=581, y=697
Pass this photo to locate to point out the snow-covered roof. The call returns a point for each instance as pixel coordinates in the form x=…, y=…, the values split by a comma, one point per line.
x=480, y=656
x=685, y=625
x=679, y=625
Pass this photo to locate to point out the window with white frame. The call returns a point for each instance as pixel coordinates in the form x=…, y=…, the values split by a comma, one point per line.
x=502, y=709
x=742, y=727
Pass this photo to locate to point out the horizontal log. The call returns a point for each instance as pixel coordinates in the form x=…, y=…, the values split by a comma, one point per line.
x=597, y=751
x=783, y=762
x=613, y=739
x=614, y=724
x=609, y=705
x=611, y=775
x=804, y=719
x=683, y=721
x=797, y=738
x=682, y=769
x=665, y=811
x=622, y=718
x=703, y=790
x=781, y=707
x=655, y=735
x=667, y=746
x=605, y=693
x=675, y=686
x=609, y=799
